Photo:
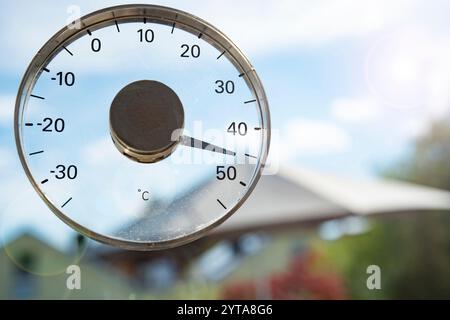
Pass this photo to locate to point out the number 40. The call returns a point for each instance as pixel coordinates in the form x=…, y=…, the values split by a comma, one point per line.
x=240, y=128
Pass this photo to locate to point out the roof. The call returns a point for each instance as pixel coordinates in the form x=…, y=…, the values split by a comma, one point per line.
x=300, y=195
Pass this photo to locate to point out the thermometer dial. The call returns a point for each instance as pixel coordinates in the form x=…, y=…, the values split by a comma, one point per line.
x=142, y=126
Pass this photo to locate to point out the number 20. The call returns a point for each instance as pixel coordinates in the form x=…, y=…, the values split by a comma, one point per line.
x=194, y=51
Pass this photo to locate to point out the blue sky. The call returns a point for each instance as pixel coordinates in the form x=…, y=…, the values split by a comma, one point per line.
x=350, y=83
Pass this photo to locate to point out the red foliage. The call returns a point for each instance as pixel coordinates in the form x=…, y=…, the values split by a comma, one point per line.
x=299, y=281
x=245, y=290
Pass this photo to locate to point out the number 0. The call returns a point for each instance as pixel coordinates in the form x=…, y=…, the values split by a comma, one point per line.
x=96, y=45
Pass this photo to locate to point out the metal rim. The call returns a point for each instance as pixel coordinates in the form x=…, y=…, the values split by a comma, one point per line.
x=156, y=14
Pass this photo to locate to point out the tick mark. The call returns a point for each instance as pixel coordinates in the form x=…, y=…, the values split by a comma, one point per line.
x=67, y=50
x=39, y=124
x=45, y=69
x=66, y=202
x=221, y=55
x=257, y=128
x=89, y=32
x=53, y=78
x=242, y=183
x=37, y=152
x=173, y=27
x=44, y=181
x=241, y=74
x=250, y=156
x=200, y=35
x=250, y=101
x=221, y=203
x=145, y=20
x=117, y=25
x=28, y=124
x=38, y=97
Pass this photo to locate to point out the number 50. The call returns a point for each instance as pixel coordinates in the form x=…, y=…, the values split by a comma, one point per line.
x=222, y=173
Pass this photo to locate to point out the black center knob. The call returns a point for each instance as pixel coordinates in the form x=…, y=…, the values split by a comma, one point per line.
x=146, y=121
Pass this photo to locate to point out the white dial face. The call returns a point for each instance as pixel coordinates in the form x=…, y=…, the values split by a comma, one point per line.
x=92, y=177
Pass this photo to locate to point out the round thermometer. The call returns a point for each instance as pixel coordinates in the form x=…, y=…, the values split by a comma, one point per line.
x=142, y=126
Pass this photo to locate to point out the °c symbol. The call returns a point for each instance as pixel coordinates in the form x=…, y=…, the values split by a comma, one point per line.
x=145, y=195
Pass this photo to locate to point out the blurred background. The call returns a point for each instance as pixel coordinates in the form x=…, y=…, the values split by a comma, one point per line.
x=360, y=97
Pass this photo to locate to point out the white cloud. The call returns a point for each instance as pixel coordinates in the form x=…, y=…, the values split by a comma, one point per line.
x=355, y=110
x=413, y=127
x=6, y=109
x=275, y=25
x=100, y=152
x=409, y=69
x=305, y=137
x=304, y=23
x=6, y=158
x=408, y=79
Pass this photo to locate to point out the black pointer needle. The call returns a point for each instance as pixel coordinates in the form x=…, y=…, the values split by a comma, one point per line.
x=199, y=144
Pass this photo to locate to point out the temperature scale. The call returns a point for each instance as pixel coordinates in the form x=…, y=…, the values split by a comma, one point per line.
x=142, y=126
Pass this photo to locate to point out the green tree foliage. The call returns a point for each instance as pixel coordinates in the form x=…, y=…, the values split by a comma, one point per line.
x=426, y=237
x=412, y=249
x=429, y=163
